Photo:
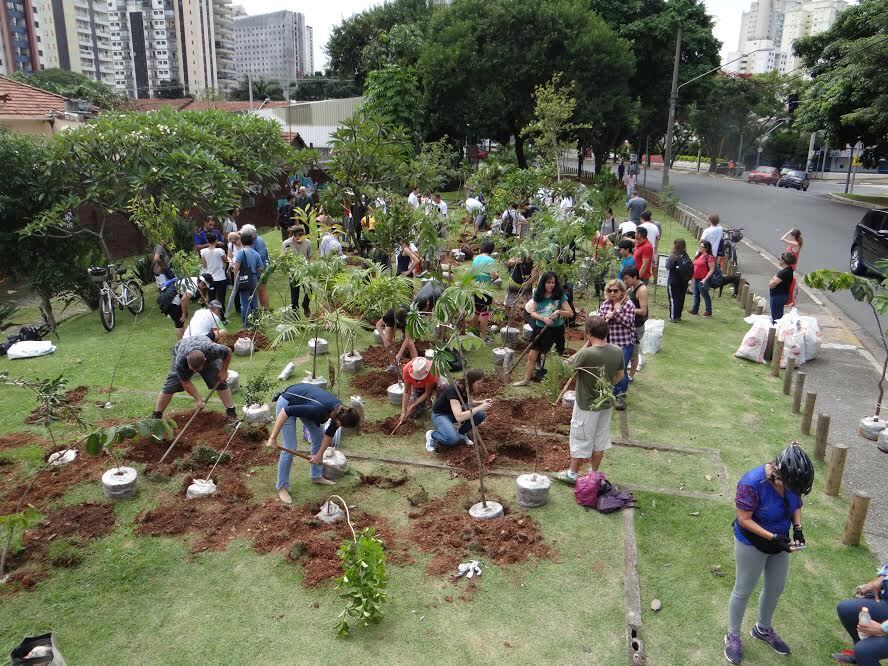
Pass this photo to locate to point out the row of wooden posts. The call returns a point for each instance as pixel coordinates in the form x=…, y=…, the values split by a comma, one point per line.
x=835, y=467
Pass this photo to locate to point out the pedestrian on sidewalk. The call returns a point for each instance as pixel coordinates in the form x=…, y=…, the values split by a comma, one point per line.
x=619, y=313
x=638, y=294
x=714, y=233
x=547, y=310
x=769, y=502
x=590, y=423
x=316, y=408
x=781, y=285
x=681, y=270
x=794, y=242
x=873, y=596
x=704, y=267
x=448, y=411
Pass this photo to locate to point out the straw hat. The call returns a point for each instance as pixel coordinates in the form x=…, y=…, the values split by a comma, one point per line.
x=420, y=368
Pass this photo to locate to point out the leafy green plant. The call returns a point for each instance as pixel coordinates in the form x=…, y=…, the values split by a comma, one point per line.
x=183, y=236
x=144, y=269
x=15, y=524
x=256, y=389
x=113, y=437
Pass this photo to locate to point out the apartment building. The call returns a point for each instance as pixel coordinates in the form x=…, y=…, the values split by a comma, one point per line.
x=206, y=46
x=145, y=47
x=19, y=47
x=75, y=35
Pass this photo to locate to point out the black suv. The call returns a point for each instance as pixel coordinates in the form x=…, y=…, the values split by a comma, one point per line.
x=796, y=179
x=870, y=242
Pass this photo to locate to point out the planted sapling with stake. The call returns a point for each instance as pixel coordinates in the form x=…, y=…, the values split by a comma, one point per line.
x=12, y=525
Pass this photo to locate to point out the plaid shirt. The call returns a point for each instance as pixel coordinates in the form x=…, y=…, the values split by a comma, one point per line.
x=621, y=329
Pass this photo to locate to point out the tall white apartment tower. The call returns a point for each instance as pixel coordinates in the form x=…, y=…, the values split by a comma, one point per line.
x=304, y=46
x=206, y=45
x=146, y=49
x=75, y=35
x=265, y=46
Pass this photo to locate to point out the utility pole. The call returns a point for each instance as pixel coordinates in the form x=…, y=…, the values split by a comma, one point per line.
x=740, y=149
x=647, y=159
x=850, y=162
x=673, y=100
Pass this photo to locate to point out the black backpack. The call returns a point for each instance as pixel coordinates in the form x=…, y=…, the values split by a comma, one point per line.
x=684, y=268
x=508, y=224
x=167, y=295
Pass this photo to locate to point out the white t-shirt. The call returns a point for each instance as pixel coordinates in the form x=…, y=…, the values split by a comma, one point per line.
x=185, y=286
x=413, y=200
x=714, y=236
x=653, y=231
x=627, y=226
x=202, y=322
x=215, y=260
x=473, y=204
x=442, y=207
x=329, y=245
x=566, y=203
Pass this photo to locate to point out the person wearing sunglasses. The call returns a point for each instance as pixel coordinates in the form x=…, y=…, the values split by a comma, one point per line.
x=769, y=503
x=619, y=313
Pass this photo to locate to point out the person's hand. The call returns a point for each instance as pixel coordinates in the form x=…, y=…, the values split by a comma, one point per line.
x=783, y=542
x=874, y=587
x=702, y=283
x=316, y=459
x=871, y=629
x=548, y=319
x=200, y=403
x=271, y=443
x=798, y=537
x=487, y=404
x=223, y=375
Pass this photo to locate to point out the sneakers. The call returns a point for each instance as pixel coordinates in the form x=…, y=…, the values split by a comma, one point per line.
x=770, y=637
x=694, y=312
x=845, y=657
x=707, y=314
x=430, y=443
x=733, y=648
x=620, y=404
x=469, y=442
x=566, y=476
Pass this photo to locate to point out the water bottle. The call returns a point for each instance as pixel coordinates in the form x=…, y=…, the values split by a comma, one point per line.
x=864, y=617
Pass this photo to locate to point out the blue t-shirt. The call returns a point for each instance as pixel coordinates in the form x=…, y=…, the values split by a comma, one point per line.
x=311, y=402
x=626, y=263
x=773, y=512
x=248, y=261
x=482, y=266
x=260, y=247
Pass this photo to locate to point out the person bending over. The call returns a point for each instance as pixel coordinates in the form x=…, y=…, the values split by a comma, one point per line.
x=391, y=320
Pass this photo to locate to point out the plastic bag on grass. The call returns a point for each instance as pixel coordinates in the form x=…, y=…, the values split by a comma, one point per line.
x=813, y=337
x=29, y=349
x=754, y=342
x=653, y=336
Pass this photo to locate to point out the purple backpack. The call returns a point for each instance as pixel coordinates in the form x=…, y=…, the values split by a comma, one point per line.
x=588, y=488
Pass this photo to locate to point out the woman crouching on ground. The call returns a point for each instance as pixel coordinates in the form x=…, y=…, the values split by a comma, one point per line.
x=453, y=408
x=769, y=502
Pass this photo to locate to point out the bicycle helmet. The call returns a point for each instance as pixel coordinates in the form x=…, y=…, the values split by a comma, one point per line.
x=795, y=469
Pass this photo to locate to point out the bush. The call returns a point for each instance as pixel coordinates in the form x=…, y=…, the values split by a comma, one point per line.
x=183, y=236
x=692, y=158
x=144, y=269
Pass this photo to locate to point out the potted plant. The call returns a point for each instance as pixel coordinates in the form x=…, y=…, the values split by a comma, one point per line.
x=254, y=392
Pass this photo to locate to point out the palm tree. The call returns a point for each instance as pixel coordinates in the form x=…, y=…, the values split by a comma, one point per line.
x=262, y=89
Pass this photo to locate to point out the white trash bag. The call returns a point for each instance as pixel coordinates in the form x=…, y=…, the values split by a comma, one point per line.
x=30, y=349
x=653, y=336
x=813, y=337
x=754, y=342
x=793, y=348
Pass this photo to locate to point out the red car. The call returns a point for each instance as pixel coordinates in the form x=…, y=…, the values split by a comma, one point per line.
x=764, y=174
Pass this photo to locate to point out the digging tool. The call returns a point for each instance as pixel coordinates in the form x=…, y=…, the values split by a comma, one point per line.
x=182, y=431
x=564, y=390
x=395, y=429
x=488, y=456
x=304, y=456
x=526, y=349
x=227, y=444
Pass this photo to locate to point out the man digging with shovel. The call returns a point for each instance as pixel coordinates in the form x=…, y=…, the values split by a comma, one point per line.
x=314, y=406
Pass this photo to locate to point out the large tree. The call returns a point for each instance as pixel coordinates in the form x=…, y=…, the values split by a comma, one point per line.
x=319, y=87
x=848, y=97
x=393, y=93
x=73, y=85
x=482, y=60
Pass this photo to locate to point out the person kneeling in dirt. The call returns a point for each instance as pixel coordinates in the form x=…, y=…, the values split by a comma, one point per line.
x=197, y=354
x=420, y=381
x=391, y=320
x=314, y=406
x=590, y=424
x=453, y=407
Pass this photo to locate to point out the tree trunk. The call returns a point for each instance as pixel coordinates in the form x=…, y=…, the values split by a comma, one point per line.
x=519, y=150
x=46, y=310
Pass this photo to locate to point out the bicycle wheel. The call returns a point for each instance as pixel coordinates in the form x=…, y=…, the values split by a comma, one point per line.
x=134, y=298
x=106, y=309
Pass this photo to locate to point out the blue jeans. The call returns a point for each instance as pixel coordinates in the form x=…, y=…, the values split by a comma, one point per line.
x=249, y=301
x=622, y=387
x=869, y=651
x=445, y=432
x=778, y=303
x=700, y=289
x=289, y=434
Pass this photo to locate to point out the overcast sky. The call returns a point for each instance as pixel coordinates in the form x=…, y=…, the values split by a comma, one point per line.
x=322, y=16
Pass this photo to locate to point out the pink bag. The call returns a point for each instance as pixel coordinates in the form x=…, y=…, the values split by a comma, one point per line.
x=588, y=487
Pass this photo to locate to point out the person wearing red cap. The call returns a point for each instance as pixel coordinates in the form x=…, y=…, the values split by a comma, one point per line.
x=421, y=382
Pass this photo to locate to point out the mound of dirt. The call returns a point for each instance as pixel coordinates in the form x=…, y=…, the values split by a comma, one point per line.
x=372, y=383
x=56, y=481
x=259, y=342
x=444, y=528
x=409, y=427
x=70, y=407
x=13, y=440
x=378, y=357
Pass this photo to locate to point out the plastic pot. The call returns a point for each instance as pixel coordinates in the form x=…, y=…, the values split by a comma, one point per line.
x=317, y=346
x=243, y=347
x=200, y=488
x=351, y=361
x=494, y=329
x=257, y=414
x=377, y=337
x=119, y=483
x=527, y=332
x=501, y=355
x=569, y=398
x=233, y=380
x=287, y=371
x=509, y=335
x=335, y=464
x=63, y=457
x=315, y=381
x=395, y=392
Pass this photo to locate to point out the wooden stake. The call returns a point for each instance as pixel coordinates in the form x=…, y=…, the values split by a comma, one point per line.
x=797, y=396
x=744, y=289
x=822, y=436
x=856, y=517
x=835, y=469
x=747, y=305
x=775, y=358
x=808, y=414
x=787, y=378
x=769, y=346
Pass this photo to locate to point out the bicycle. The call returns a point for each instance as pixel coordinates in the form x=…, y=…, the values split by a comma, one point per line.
x=730, y=239
x=115, y=291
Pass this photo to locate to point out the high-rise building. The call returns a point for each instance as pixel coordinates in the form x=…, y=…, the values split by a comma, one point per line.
x=18, y=37
x=206, y=45
x=75, y=35
x=265, y=46
x=806, y=19
x=304, y=47
x=145, y=47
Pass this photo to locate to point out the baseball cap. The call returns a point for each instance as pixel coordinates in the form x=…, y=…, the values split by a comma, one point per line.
x=214, y=304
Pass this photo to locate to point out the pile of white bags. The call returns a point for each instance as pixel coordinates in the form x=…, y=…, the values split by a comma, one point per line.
x=801, y=338
x=653, y=336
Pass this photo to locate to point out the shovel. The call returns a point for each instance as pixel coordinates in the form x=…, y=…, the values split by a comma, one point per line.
x=526, y=349
x=304, y=456
x=182, y=431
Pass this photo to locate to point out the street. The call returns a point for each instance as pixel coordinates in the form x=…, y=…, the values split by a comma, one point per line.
x=766, y=213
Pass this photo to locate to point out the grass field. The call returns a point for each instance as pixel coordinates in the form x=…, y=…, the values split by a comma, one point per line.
x=154, y=600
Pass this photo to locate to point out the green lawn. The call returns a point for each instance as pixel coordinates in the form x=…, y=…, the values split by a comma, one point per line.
x=151, y=597
x=878, y=199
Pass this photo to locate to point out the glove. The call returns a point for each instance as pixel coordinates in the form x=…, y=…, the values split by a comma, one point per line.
x=782, y=542
x=797, y=535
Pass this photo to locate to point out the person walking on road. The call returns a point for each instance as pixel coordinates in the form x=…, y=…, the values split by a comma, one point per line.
x=619, y=313
x=871, y=639
x=704, y=267
x=769, y=503
x=781, y=284
x=322, y=414
x=681, y=270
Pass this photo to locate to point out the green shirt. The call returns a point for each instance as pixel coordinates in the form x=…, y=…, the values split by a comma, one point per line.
x=606, y=359
x=546, y=307
x=482, y=267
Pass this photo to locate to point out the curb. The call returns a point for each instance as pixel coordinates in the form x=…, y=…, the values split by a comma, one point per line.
x=851, y=202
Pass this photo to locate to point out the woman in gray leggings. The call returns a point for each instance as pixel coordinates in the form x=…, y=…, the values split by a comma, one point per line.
x=769, y=501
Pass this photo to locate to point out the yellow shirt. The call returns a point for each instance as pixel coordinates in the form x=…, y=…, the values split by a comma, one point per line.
x=371, y=224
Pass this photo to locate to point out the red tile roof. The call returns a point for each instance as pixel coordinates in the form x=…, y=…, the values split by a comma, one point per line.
x=26, y=101
x=155, y=104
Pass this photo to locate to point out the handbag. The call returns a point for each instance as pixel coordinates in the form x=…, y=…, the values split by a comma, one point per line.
x=717, y=279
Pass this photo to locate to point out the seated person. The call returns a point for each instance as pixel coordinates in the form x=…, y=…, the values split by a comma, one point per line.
x=391, y=320
x=873, y=596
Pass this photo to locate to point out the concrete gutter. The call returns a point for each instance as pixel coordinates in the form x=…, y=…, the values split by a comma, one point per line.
x=853, y=202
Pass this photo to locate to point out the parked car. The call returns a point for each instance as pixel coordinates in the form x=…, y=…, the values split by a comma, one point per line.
x=795, y=178
x=725, y=169
x=764, y=174
x=870, y=242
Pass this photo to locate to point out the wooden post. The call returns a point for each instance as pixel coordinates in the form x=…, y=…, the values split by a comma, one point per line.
x=739, y=277
x=856, y=517
x=808, y=414
x=822, y=436
x=747, y=306
x=769, y=346
x=775, y=358
x=744, y=289
x=787, y=378
x=835, y=469
x=797, y=396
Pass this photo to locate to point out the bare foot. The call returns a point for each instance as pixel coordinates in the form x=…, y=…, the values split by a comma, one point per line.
x=523, y=382
x=323, y=482
x=284, y=496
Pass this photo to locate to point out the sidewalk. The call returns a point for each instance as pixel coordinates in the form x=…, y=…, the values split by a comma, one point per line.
x=845, y=377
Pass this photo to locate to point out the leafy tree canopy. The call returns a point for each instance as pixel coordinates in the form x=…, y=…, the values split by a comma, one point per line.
x=73, y=85
x=319, y=87
x=849, y=94
x=393, y=93
x=262, y=90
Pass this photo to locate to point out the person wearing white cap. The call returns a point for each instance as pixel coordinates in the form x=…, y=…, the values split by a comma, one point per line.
x=206, y=321
x=421, y=382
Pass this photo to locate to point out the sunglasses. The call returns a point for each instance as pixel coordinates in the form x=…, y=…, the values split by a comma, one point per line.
x=614, y=291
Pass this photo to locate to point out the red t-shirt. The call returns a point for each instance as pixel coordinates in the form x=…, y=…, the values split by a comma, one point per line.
x=430, y=380
x=702, y=264
x=644, y=251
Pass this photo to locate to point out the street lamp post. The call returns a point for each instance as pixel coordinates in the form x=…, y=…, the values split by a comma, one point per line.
x=673, y=100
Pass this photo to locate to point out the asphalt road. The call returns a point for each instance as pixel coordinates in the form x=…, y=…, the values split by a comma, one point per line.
x=766, y=213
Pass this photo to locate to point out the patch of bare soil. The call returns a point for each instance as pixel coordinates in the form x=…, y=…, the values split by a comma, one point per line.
x=386, y=426
x=384, y=481
x=443, y=528
x=55, y=482
x=372, y=383
x=260, y=342
x=376, y=356
x=70, y=407
x=13, y=440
